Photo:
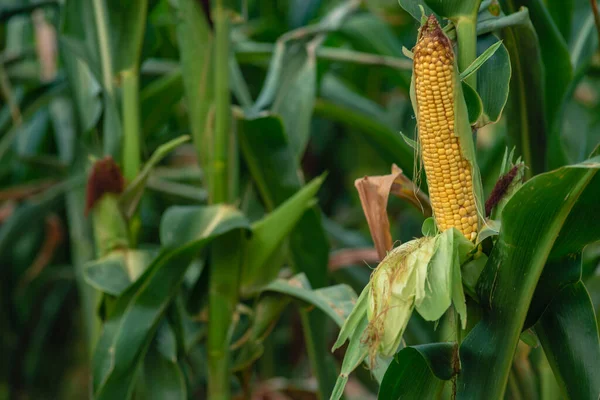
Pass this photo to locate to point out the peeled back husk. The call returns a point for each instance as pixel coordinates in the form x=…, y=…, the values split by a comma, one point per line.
x=397, y=285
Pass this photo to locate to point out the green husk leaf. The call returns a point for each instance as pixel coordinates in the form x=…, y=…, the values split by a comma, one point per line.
x=354, y=319
x=474, y=103
x=479, y=61
x=356, y=352
x=412, y=143
x=462, y=129
x=429, y=227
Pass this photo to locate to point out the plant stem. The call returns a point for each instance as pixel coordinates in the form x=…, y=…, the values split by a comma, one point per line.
x=226, y=260
x=466, y=31
x=223, y=297
x=131, y=124
x=219, y=181
x=246, y=50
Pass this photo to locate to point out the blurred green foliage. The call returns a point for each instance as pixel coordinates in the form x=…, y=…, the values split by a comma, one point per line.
x=302, y=88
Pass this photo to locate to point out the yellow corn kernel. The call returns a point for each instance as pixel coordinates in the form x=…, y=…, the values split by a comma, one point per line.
x=448, y=172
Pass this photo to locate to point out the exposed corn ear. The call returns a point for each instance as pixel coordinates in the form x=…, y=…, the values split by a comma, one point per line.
x=449, y=173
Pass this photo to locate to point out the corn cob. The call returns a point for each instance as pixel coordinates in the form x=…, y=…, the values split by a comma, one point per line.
x=448, y=171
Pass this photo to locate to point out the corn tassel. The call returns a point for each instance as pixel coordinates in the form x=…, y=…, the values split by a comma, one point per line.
x=448, y=171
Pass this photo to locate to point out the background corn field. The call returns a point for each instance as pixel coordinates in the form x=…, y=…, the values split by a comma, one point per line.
x=179, y=217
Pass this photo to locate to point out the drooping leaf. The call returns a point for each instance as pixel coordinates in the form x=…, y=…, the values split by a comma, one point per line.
x=269, y=233
x=335, y=301
x=136, y=313
x=113, y=273
x=295, y=98
x=267, y=153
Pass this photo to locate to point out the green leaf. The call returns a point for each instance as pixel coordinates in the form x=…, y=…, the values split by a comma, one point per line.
x=412, y=143
x=295, y=97
x=525, y=115
x=545, y=203
x=569, y=335
x=338, y=91
x=126, y=23
x=132, y=195
x=453, y=9
x=269, y=233
x=557, y=71
x=561, y=12
x=331, y=22
x=368, y=32
x=267, y=153
x=265, y=149
x=129, y=328
x=267, y=311
x=79, y=40
x=419, y=372
x=480, y=60
x=471, y=271
x=577, y=230
x=493, y=80
x=113, y=273
x=157, y=100
x=412, y=7
x=557, y=274
x=336, y=302
x=161, y=378
x=390, y=145
x=76, y=50
x=195, y=40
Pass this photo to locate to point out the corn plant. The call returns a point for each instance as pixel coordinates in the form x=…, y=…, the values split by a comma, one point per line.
x=195, y=200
